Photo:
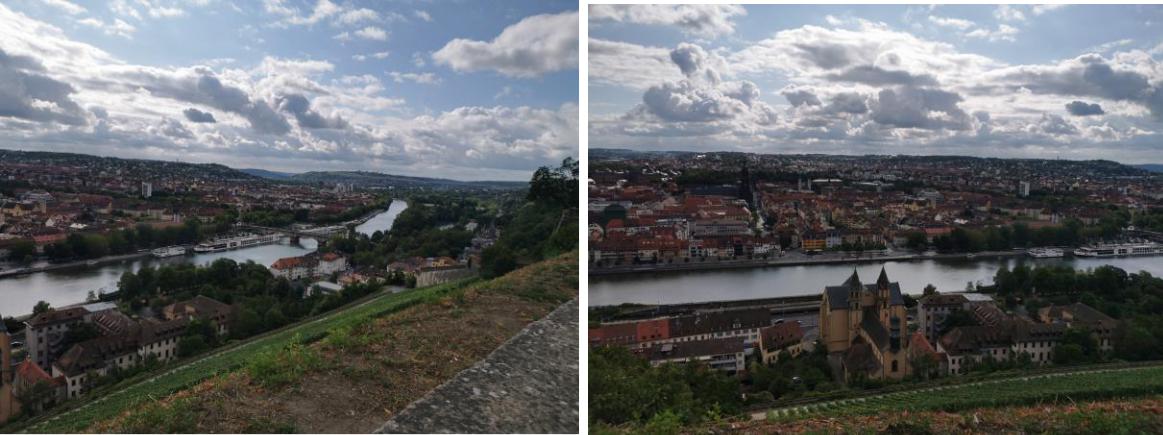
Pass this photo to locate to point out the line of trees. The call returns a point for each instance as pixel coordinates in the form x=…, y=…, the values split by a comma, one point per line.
x=545, y=226
x=1019, y=235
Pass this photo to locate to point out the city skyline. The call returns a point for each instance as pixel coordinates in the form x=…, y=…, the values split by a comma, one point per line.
x=996, y=81
x=421, y=89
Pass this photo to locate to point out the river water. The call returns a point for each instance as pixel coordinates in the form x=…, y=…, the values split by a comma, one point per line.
x=69, y=286
x=733, y=284
x=383, y=221
x=62, y=287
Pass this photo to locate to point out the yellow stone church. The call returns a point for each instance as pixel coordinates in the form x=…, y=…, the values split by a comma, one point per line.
x=865, y=327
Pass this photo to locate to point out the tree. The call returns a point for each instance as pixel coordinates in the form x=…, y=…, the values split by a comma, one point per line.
x=41, y=307
x=79, y=333
x=556, y=186
x=497, y=260
x=930, y=289
x=191, y=345
x=22, y=251
x=956, y=319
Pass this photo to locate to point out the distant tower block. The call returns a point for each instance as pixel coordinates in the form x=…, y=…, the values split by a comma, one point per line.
x=1023, y=189
x=146, y=189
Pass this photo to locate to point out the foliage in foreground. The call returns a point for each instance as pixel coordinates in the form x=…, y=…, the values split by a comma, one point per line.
x=626, y=389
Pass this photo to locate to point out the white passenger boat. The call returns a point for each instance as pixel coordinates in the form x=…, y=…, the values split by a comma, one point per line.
x=239, y=241
x=1045, y=253
x=1120, y=250
x=169, y=251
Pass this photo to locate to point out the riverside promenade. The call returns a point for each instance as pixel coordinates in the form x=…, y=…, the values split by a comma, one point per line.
x=793, y=258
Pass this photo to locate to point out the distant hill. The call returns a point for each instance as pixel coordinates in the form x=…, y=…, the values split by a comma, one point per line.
x=1097, y=167
x=146, y=169
x=376, y=179
x=271, y=175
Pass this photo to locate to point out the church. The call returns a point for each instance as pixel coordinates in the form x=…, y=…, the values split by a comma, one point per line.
x=864, y=327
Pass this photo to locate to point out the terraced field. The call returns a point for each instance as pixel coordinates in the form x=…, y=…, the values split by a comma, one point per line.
x=161, y=385
x=1025, y=390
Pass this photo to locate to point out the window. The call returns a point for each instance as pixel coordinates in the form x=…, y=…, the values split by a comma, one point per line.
x=894, y=366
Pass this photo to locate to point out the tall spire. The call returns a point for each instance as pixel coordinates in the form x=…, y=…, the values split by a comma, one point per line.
x=854, y=280
x=882, y=281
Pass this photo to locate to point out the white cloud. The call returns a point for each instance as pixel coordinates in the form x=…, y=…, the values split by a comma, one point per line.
x=1041, y=9
x=372, y=33
x=700, y=20
x=283, y=112
x=1003, y=33
x=66, y=6
x=421, y=78
x=955, y=23
x=532, y=47
x=1008, y=13
x=423, y=15
x=115, y=28
x=868, y=88
x=630, y=65
x=323, y=11
x=123, y=8
x=356, y=16
x=376, y=55
x=1105, y=47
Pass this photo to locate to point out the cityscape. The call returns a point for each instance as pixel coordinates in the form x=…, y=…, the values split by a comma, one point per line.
x=289, y=216
x=355, y=216
x=873, y=219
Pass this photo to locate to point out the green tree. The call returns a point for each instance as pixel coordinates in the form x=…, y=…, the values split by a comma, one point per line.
x=22, y=251
x=40, y=307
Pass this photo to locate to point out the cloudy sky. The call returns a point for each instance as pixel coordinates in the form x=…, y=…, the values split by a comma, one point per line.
x=454, y=89
x=1072, y=82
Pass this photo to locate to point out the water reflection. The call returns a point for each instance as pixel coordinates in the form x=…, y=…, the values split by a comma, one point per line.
x=698, y=286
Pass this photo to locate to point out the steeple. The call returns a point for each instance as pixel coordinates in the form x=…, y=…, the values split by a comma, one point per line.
x=854, y=280
x=882, y=282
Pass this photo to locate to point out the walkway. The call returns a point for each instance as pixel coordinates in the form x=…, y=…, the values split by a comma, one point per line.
x=528, y=385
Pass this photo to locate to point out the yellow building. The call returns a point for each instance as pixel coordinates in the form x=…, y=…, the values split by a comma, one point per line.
x=864, y=327
x=9, y=406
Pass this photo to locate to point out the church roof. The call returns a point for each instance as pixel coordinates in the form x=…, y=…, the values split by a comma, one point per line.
x=837, y=297
x=874, y=329
x=883, y=279
x=838, y=294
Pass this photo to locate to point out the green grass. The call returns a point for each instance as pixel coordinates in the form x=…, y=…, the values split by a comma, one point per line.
x=1053, y=388
x=143, y=390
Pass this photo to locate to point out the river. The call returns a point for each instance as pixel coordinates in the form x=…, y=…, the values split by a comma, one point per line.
x=734, y=284
x=69, y=286
x=383, y=221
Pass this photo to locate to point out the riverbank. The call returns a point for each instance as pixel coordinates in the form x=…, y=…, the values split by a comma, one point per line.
x=793, y=259
x=72, y=264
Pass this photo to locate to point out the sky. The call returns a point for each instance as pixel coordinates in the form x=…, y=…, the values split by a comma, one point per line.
x=1026, y=81
x=452, y=89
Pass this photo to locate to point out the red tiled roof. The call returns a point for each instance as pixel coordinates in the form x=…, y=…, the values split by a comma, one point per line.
x=30, y=373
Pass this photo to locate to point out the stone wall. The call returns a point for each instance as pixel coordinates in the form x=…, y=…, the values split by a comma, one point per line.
x=430, y=277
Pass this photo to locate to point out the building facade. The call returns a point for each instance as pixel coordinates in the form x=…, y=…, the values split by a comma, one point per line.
x=864, y=326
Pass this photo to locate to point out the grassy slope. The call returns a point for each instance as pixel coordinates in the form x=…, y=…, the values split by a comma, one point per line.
x=1081, y=385
x=228, y=359
x=531, y=283
x=1124, y=416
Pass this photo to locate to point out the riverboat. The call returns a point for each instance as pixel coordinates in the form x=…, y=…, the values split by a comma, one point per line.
x=239, y=241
